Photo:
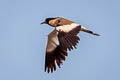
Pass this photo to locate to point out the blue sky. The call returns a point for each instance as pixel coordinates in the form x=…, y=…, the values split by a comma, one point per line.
x=23, y=40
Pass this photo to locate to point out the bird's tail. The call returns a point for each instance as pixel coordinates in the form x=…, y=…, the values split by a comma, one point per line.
x=89, y=31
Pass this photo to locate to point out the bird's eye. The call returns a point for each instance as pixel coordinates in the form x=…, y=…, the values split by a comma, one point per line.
x=59, y=21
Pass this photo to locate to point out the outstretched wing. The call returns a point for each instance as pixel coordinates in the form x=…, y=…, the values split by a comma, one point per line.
x=68, y=40
x=59, y=41
x=55, y=54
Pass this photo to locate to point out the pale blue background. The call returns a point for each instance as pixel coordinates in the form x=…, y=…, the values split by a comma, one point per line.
x=23, y=40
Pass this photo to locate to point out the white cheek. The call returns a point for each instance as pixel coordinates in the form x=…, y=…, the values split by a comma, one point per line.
x=67, y=28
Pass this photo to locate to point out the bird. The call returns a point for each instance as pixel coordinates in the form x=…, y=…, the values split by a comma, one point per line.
x=63, y=38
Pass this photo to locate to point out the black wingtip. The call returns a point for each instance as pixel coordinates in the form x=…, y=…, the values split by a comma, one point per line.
x=91, y=32
x=54, y=58
x=96, y=34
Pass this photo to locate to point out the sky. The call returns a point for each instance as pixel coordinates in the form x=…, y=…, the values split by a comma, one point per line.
x=23, y=40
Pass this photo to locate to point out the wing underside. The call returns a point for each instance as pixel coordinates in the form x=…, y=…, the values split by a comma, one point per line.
x=58, y=43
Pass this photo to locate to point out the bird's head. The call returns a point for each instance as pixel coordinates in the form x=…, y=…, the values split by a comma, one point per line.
x=57, y=21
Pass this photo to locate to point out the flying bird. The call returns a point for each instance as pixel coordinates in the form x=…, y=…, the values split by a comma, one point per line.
x=60, y=40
